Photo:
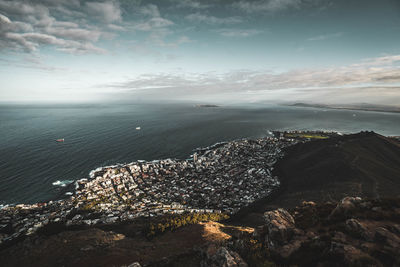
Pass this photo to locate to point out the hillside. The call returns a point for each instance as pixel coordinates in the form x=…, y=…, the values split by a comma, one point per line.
x=365, y=164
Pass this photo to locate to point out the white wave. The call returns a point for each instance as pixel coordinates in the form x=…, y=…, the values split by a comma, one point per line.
x=93, y=173
x=69, y=193
x=62, y=183
x=2, y=206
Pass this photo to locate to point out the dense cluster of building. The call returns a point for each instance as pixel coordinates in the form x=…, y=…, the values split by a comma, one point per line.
x=221, y=178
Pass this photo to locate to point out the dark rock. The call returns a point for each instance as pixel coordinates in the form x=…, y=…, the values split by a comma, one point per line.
x=345, y=207
x=222, y=257
x=279, y=227
x=383, y=235
x=357, y=229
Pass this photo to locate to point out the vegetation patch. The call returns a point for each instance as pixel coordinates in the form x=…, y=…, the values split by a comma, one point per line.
x=173, y=222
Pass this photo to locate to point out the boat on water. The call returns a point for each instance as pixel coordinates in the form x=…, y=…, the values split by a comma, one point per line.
x=60, y=140
x=138, y=128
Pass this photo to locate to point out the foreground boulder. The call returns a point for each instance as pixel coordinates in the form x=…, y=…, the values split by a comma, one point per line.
x=353, y=232
x=222, y=257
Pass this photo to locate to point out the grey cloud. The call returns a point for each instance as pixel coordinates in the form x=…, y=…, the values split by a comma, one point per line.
x=266, y=5
x=173, y=43
x=81, y=48
x=157, y=27
x=115, y=27
x=15, y=39
x=70, y=3
x=75, y=33
x=105, y=11
x=81, y=23
x=202, y=18
x=238, y=32
x=191, y=4
x=28, y=25
x=153, y=23
x=271, y=6
x=258, y=83
x=384, y=60
x=19, y=8
x=150, y=10
x=4, y=20
x=390, y=78
x=325, y=36
x=30, y=42
x=66, y=24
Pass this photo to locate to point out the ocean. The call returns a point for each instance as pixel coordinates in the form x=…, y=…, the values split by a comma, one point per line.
x=36, y=168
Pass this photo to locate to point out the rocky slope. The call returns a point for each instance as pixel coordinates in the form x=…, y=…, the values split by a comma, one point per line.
x=352, y=232
x=365, y=164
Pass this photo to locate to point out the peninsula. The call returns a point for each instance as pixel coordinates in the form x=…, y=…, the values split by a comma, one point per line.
x=221, y=179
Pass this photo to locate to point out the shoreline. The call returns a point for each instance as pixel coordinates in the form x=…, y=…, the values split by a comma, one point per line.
x=224, y=180
x=71, y=183
x=372, y=109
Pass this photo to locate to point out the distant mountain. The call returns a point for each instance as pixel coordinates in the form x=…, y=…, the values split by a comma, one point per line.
x=206, y=106
x=362, y=106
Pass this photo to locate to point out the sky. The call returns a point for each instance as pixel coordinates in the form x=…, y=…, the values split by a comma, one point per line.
x=278, y=51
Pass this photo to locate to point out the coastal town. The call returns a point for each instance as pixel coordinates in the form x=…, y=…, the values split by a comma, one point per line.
x=222, y=178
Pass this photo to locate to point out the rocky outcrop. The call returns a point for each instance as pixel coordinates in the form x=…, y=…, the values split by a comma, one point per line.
x=278, y=231
x=345, y=207
x=279, y=227
x=222, y=257
x=354, y=232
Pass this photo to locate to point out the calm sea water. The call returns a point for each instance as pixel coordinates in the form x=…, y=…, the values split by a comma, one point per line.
x=34, y=168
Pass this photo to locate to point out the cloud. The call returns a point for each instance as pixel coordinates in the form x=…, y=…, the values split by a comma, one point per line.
x=4, y=20
x=345, y=83
x=207, y=19
x=238, y=32
x=150, y=10
x=191, y=4
x=28, y=25
x=272, y=6
x=383, y=60
x=75, y=33
x=153, y=20
x=157, y=27
x=325, y=36
x=31, y=41
x=21, y=8
x=105, y=11
x=266, y=5
x=153, y=23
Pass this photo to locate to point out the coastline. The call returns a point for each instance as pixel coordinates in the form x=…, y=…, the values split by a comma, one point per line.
x=371, y=109
x=222, y=180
